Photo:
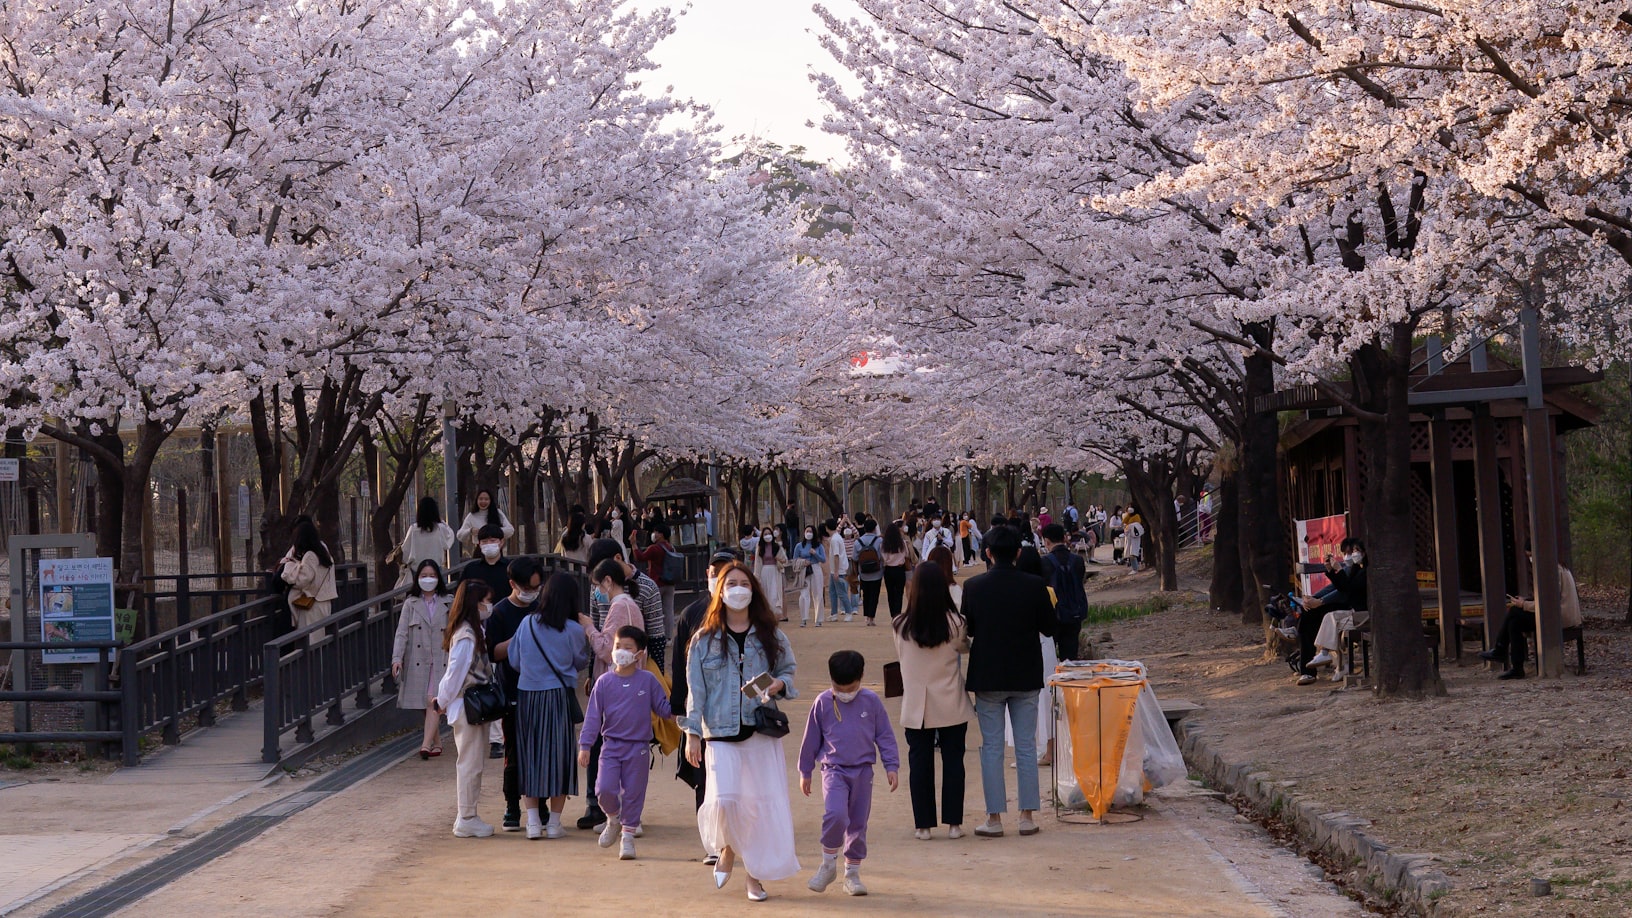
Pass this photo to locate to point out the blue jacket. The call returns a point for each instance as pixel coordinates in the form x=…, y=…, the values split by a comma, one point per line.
x=814, y=554
x=715, y=704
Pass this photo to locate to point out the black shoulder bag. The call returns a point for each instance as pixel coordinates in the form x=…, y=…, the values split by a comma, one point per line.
x=768, y=718
x=485, y=701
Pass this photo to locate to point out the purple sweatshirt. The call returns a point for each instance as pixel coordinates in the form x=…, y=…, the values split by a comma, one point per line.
x=621, y=708
x=845, y=734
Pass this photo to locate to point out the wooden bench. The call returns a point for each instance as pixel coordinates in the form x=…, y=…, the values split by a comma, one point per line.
x=1361, y=637
x=1570, y=634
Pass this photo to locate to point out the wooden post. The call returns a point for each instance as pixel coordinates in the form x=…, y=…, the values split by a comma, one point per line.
x=184, y=603
x=31, y=501
x=65, y=504
x=1538, y=455
x=1488, y=500
x=1447, y=562
x=146, y=497
x=1354, y=498
x=224, y=500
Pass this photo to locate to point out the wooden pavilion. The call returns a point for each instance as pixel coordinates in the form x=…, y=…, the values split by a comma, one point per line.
x=1488, y=479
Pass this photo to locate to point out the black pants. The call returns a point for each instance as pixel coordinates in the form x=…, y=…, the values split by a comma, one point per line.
x=591, y=773
x=1308, y=627
x=921, y=746
x=1510, y=640
x=869, y=597
x=1067, y=637
x=512, y=764
x=968, y=550
x=895, y=584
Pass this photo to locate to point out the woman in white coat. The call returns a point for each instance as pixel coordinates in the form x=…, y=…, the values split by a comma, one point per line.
x=417, y=657
x=485, y=511
x=308, y=568
x=468, y=665
x=769, y=557
x=429, y=538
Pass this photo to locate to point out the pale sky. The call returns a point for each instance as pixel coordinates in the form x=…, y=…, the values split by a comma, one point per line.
x=749, y=60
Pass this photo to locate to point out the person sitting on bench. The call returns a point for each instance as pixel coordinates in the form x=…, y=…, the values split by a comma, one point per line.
x=1347, y=591
x=1510, y=644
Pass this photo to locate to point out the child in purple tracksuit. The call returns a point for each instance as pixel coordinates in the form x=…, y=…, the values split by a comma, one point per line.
x=620, y=710
x=847, y=723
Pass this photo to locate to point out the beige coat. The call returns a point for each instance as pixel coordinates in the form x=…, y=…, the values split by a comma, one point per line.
x=932, y=678
x=418, y=647
x=307, y=576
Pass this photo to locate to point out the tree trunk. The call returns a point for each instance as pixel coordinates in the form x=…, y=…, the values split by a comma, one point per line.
x=1151, y=480
x=1262, y=532
x=1225, y=593
x=1381, y=373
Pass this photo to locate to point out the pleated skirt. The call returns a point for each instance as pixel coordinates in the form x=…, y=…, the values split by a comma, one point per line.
x=545, y=744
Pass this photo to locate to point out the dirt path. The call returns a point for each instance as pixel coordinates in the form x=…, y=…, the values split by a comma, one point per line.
x=384, y=848
x=1500, y=781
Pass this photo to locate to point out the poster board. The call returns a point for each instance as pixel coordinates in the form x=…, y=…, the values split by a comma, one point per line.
x=1318, y=538
x=76, y=604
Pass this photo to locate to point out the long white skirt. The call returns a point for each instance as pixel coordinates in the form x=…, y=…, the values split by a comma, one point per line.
x=746, y=806
x=1045, y=701
x=770, y=581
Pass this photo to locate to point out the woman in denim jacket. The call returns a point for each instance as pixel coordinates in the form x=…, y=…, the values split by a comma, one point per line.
x=745, y=811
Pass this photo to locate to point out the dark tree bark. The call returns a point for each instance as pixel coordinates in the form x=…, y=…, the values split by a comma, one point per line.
x=1381, y=373
x=1226, y=592
x=1151, y=481
x=1262, y=533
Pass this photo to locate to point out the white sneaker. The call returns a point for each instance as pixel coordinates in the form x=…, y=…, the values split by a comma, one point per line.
x=825, y=875
x=921, y=834
x=1306, y=679
x=626, y=849
x=852, y=882
x=535, y=830
x=1321, y=659
x=955, y=832
x=553, y=829
x=609, y=832
x=640, y=831
x=471, y=828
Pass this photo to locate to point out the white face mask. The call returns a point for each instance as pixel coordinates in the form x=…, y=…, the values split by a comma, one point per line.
x=527, y=597
x=738, y=597
x=809, y=535
x=846, y=697
x=1357, y=557
x=490, y=550
x=429, y=584
x=484, y=610
x=621, y=657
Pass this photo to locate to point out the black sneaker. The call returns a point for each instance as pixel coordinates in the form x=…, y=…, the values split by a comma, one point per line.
x=495, y=750
x=593, y=819
x=1491, y=655
x=512, y=822
x=1512, y=674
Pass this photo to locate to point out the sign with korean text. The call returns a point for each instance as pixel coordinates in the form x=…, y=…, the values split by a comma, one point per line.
x=76, y=604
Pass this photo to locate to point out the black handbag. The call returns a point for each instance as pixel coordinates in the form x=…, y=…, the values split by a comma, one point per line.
x=575, y=711
x=769, y=720
x=485, y=702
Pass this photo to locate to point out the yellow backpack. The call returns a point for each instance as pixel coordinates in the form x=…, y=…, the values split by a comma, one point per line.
x=665, y=731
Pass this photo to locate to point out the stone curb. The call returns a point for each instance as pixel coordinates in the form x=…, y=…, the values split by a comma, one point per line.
x=1397, y=876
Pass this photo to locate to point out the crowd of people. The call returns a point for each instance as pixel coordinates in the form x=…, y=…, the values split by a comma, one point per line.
x=707, y=681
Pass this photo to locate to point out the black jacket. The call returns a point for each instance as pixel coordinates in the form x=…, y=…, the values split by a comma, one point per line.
x=1006, y=610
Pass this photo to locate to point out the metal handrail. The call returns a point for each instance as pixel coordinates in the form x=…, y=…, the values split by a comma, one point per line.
x=312, y=670
x=108, y=702
x=188, y=670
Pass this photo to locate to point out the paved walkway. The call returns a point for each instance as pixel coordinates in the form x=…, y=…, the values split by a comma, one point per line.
x=383, y=847
x=63, y=831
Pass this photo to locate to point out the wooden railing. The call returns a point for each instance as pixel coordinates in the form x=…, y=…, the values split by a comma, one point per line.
x=313, y=672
